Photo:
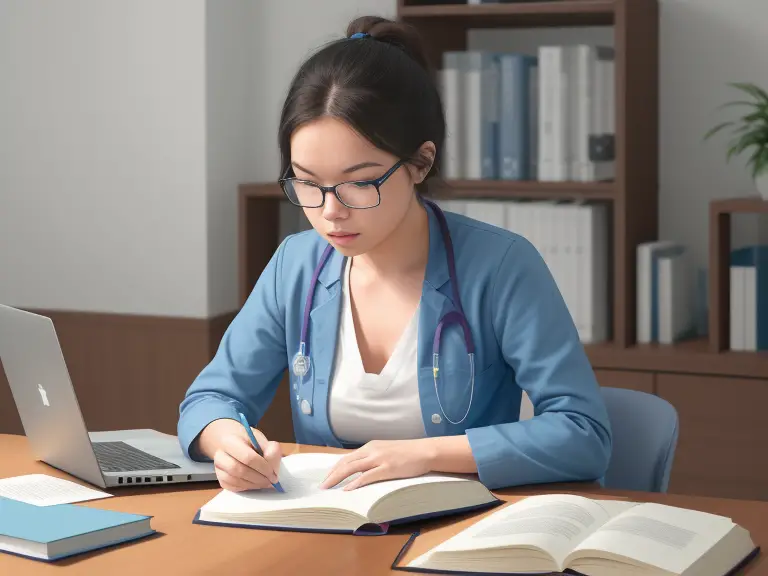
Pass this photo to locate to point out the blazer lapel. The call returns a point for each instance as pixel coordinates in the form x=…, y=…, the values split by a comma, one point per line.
x=324, y=319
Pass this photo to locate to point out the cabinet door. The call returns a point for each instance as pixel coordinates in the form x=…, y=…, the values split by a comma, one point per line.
x=723, y=430
x=642, y=381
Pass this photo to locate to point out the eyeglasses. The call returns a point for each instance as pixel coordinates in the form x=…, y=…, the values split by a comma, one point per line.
x=359, y=194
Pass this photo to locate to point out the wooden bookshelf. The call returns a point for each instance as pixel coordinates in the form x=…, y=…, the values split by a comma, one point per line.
x=634, y=193
x=632, y=196
x=707, y=384
x=693, y=357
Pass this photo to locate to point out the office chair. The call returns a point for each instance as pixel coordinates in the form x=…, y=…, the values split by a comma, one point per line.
x=645, y=431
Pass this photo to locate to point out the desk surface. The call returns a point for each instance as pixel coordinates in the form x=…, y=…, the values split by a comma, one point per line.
x=185, y=548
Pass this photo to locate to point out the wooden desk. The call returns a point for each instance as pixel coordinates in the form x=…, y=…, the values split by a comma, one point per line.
x=185, y=548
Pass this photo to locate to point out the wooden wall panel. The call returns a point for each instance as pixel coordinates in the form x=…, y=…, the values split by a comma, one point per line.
x=127, y=371
x=723, y=431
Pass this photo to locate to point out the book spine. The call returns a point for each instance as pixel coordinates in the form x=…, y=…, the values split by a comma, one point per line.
x=514, y=161
x=737, y=308
x=452, y=93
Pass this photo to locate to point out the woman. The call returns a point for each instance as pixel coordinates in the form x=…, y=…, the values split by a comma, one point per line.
x=364, y=112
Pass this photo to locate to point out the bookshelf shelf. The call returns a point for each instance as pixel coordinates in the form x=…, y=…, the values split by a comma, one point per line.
x=745, y=205
x=528, y=14
x=261, y=190
x=505, y=189
x=685, y=357
x=490, y=189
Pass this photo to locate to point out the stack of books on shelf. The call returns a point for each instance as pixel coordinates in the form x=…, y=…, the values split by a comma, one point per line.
x=749, y=298
x=671, y=300
x=513, y=116
x=572, y=238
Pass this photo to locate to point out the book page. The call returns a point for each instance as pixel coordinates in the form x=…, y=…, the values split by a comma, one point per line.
x=554, y=523
x=300, y=476
x=45, y=490
x=664, y=536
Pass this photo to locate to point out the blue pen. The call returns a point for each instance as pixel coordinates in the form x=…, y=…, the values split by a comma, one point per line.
x=244, y=422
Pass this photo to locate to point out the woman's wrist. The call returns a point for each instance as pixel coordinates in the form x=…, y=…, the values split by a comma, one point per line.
x=208, y=440
x=450, y=454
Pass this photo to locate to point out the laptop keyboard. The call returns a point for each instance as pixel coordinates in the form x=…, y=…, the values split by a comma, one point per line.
x=122, y=457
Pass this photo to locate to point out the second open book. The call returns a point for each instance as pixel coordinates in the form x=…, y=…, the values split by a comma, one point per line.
x=574, y=534
x=368, y=509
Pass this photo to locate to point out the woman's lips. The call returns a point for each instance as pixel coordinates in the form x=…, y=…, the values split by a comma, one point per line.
x=343, y=237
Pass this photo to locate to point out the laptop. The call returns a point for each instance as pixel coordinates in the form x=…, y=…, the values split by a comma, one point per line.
x=53, y=423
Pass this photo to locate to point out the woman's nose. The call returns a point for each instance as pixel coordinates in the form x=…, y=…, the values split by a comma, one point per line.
x=333, y=209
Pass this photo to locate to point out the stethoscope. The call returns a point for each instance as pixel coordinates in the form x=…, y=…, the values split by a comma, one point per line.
x=301, y=361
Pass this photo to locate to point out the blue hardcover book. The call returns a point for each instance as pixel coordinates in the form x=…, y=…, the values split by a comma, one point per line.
x=480, y=102
x=514, y=151
x=50, y=533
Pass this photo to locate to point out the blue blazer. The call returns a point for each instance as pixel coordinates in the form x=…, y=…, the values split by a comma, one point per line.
x=525, y=339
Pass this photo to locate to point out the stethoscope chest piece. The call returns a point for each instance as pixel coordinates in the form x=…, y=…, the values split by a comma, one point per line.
x=300, y=365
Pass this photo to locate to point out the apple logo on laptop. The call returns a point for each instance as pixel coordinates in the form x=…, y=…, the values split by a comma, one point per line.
x=43, y=394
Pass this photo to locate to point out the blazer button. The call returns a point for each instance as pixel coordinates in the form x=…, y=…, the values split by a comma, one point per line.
x=436, y=419
x=306, y=407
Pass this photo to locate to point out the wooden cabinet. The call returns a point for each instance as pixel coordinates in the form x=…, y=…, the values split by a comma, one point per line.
x=723, y=429
x=642, y=381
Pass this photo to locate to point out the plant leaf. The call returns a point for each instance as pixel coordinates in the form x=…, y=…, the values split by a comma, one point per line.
x=738, y=103
x=711, y=132
x=747, y=140
x=753, y=90
x=761, y=163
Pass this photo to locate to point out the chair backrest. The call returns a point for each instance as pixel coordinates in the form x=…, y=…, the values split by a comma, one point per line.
x=645, y=431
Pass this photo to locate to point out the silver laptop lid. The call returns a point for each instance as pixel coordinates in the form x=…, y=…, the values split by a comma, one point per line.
x=44, y=396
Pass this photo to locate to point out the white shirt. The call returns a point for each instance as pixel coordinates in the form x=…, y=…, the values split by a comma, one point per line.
x=366, y=406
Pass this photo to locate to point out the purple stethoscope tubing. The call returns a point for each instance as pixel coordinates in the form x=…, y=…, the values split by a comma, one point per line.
x=301, y=362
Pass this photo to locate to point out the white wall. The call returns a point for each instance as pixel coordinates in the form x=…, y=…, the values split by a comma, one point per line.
x=704, y=45
x=232, y=30
x=102, y=156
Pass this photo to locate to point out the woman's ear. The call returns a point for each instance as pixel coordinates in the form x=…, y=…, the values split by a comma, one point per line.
x=423, y=161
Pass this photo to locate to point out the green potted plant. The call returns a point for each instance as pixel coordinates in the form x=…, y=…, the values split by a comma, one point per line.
x=749, y=133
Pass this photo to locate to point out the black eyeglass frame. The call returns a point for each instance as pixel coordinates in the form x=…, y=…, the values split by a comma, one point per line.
x=376, y=183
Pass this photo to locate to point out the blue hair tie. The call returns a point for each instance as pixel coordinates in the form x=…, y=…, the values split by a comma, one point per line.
x=359, y=35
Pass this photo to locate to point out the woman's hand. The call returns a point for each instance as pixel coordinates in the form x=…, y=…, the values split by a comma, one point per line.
x=238, y=466
x=382, y=460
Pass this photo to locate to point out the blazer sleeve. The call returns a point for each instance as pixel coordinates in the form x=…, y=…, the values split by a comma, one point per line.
x=247, y=367
x=569, y=437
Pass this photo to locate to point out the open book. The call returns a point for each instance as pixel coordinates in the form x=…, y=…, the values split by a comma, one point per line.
x=368, y=509
x=574, y=534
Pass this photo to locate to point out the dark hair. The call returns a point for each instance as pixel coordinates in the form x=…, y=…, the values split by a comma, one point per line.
x=381, y=85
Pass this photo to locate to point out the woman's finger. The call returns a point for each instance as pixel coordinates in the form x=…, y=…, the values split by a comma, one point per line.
x=236, y=469
x=376, y=474
x=344, y=470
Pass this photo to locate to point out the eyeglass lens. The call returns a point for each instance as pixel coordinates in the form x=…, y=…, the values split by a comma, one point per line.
x=352, y=194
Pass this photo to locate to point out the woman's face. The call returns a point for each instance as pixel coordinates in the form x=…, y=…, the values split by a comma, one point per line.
x=327, y=152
